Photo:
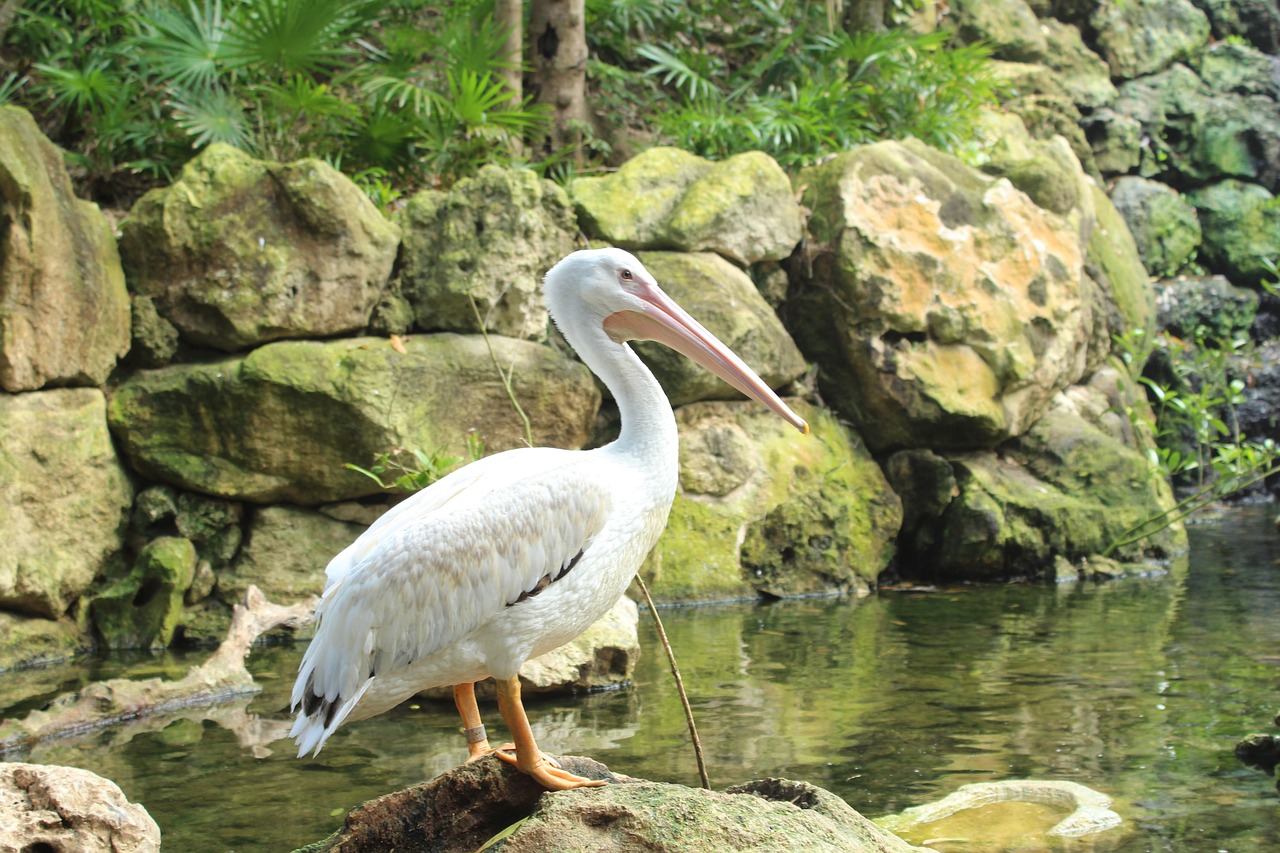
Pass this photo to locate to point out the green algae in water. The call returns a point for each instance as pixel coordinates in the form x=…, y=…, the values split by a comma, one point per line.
x=1137, y=688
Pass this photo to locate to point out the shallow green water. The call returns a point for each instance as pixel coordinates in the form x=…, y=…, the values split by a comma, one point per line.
x=1138, y=688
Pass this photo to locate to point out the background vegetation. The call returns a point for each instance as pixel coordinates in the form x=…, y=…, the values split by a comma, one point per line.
x=409, y=92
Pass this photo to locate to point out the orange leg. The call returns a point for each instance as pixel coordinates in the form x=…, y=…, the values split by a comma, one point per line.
x=528, y=758
x=464, y=696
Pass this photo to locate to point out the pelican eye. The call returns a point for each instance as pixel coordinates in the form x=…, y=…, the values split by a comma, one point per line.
x=625, y=275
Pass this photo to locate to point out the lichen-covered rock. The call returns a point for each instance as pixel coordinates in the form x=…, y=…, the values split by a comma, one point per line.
x=33, y=640
x=762, y=510
x=1206, y=305
x=155, y=339
x=1142, y=36
x=463, y=809
x=46, y=807
x=944, y=308
x=1008, y=27
x=1164, y=226
x=1047, y=116
x=64, y=310
x=491, y=239
x=1196, y=133
x=64, y=497
x=1241, y=226
x=241, y=251
x=1064, y=489
x=143, y=609
x=279, y=424
x=743, y=207
x=1046, y=170
x=724, y=299
x=285, y=554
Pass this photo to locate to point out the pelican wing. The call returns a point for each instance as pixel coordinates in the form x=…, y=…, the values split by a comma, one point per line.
x=438, y=567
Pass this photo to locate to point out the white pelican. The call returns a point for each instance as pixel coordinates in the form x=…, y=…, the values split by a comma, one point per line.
x=520, y=552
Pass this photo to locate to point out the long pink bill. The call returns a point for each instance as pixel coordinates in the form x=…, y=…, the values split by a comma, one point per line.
x=667, y=323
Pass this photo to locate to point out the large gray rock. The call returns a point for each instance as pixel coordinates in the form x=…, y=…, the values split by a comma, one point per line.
x=466, y=807
x=1241, y=226
x=240, y=251
x=945, y=308
x=1164, y=226
x=491, y=239
x=1081, y=72
x=279, y=424
x=724, y=299
x=1210, y=306
x=64, y=310
x=64, y=497
x=1142, y=36
x=743, y=207
x=46, y=807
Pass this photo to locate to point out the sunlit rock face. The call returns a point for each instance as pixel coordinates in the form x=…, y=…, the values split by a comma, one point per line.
x=742, y=207
x=762, y=511
x=64, y=498
x=65, y=808
x=240, y=251
x=944, y=308
x=64, y=311
x=489, y=240
x=279, y=424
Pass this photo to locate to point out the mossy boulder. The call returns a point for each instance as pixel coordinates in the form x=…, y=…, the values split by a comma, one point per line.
x=489, y=239
x=1008, y=27
x=64, y=309
x=1060, y=494
x=742, y=207
x=240, y=251
x=64, y=498
x=764, y=511
x=143, y=609
x=1115, y=140
x=1163, y=224
x=1196, y=133
x=1139, y=37
x=1241, y=226
x=279, y=424
x=944, y=308
x=725, y=300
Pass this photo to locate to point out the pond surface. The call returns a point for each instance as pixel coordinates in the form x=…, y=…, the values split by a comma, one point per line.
x=1137, y=688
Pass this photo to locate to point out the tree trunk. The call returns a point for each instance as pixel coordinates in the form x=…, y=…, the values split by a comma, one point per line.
x=558, y=50
x=862, y=16
x=509, y=17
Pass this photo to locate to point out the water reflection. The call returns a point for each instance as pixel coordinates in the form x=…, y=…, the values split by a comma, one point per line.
x=1138, y=688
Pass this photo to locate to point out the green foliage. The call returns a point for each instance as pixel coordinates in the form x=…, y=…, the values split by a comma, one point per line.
x=404, y=470
x=1198, y=442
x=403, y=86
x=777, y=76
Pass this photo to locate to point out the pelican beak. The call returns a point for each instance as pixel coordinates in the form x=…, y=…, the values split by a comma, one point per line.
x=662, y=320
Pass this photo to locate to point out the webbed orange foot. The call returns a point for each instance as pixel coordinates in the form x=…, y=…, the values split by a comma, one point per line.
x=546, y=771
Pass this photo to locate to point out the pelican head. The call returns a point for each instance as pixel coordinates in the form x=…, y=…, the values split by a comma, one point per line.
x=609, y=289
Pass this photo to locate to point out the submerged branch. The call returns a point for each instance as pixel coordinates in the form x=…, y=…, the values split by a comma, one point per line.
x=105, y=703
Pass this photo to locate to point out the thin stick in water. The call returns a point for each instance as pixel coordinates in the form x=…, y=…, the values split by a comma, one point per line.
x=675, y=672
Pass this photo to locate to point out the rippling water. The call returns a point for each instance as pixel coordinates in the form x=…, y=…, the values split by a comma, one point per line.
x=1137, y=688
